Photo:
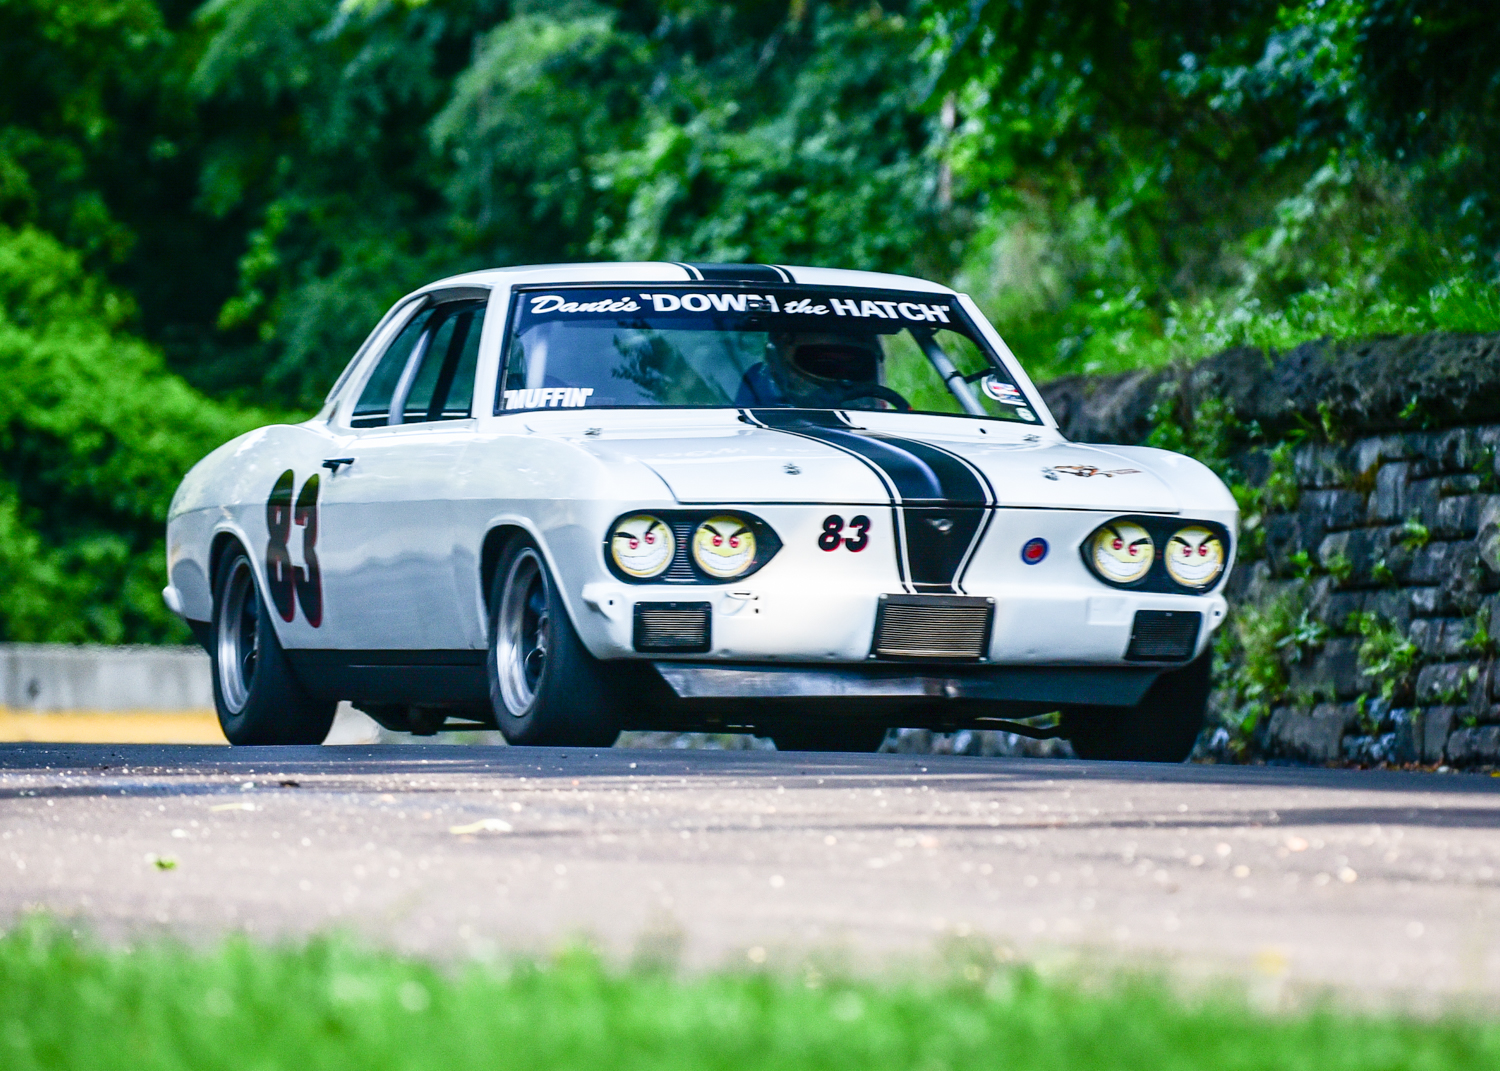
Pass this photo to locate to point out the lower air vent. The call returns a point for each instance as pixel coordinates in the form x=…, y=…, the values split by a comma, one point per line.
x=672, y=626
x=1163, y=635
x=932, y=626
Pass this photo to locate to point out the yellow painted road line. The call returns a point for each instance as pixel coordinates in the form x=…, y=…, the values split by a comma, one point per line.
x=111, y=726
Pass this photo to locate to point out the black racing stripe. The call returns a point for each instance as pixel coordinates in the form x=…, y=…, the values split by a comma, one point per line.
x=740, y=273
x=942, y=538
x=922, y=474
x=946, y=559
x=957, y=481
x=938, y=540
x=942, y=499
x=751, y=416
x=691, y=269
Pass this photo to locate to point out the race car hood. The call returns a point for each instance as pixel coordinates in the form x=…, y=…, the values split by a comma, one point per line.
x=799, y=456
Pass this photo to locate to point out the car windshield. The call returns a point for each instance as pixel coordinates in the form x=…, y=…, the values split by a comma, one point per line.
x=770, y=347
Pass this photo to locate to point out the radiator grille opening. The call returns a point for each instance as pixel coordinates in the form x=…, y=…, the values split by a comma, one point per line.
x=672, y=626
x=1163, y=635
x=933, y=626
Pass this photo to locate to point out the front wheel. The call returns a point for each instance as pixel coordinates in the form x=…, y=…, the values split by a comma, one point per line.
x=258, y=699
x=1162, y=727
x=545, y=687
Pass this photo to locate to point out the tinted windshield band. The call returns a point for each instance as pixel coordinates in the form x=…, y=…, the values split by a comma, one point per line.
x=739, y=307
x=721, y=345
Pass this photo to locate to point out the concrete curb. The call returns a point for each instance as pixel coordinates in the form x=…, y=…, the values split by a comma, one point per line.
x=41, y=677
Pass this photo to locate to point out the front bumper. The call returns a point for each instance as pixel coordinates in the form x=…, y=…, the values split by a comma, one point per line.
x=765, y=623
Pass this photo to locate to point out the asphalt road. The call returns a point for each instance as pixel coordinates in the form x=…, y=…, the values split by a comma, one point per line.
x=1368, y=881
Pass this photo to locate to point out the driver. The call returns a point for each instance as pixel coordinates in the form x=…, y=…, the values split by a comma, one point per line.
x=813, y=371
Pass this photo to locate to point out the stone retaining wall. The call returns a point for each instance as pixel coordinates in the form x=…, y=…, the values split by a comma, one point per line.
x=1364, y=605
x=1394, y=540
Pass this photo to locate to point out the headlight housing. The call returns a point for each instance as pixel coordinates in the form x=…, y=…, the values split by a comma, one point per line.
x=1195, y=557
x=641, y=545
x=1163, y=554
x=1121, y=552
x=701, y=546
x=724, y=546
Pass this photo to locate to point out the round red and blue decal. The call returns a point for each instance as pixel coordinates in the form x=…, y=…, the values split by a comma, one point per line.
x=1034, y=550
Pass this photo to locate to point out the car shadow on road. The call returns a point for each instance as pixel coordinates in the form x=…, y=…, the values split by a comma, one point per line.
x=170, y=769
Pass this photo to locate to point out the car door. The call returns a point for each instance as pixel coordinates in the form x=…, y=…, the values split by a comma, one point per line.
x=388, y=520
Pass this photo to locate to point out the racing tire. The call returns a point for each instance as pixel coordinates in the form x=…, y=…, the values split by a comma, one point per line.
x=827, y=736
x=258, y=699
x=545, y=687
x=1162, y=727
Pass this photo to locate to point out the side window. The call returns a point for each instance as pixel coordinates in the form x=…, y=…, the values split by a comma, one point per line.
x=909, y=371
x=443, y=386
x=373, y=407
x=427, y=372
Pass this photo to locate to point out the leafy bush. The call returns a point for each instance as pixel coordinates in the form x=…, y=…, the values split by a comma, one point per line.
x=94, y=437
x=1385, y=655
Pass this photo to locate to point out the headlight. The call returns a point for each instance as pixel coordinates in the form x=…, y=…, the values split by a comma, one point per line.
x=1195, y=557
x=642, y=545
x=1121, y=552
x=724, y=546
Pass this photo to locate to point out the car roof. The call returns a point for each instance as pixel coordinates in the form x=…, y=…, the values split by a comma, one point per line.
x=669, y=272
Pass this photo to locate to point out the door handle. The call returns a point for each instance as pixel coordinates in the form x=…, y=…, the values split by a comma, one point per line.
x=332, y=463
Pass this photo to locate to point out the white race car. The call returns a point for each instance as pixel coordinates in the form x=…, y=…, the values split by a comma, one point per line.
x=570, y=500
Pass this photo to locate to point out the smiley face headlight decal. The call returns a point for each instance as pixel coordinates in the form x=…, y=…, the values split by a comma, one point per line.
x=1121, y=552
x=724, y=546
x=641, y=545
x=688, y=546
x=1162, y=554
x=1195, y=557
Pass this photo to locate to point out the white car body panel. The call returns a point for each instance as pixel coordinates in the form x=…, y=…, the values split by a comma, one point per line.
x=401, y=532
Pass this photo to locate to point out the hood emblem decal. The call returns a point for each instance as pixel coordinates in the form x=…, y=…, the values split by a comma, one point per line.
x=1085, y=471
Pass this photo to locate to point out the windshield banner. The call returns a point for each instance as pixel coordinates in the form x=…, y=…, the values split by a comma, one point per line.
x=838, y=305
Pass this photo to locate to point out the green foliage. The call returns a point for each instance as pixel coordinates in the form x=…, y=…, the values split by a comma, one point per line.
x=1482, y=641
x=328, y=1004
x=1300, y=636
x=1302, y=564
x=1206, y=431
x=1386, y=655
x=1277, y=494
x=1159, y=185
x=1253, y=648
x=1118, y=185
x=65, y=65
x=94, y=436
x=1280, y=491
x=1484, y=468
x=418, y=140
x=1414, y=534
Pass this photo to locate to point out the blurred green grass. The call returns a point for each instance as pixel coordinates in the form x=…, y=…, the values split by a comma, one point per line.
x=327, y=1003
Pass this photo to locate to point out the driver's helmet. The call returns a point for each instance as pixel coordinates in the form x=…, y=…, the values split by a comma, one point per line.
x=820, y=367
